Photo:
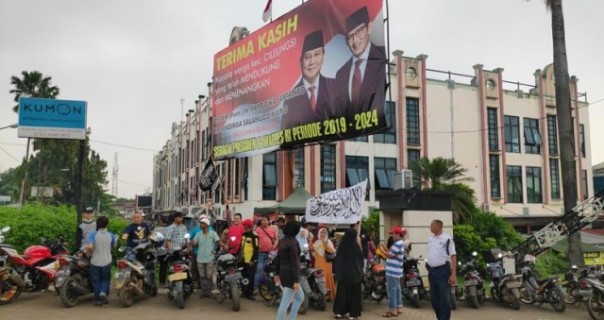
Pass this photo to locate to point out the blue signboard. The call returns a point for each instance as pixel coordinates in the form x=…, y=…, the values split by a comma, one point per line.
x=52, y=118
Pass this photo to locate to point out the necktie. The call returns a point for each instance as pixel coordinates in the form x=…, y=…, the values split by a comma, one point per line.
x=313, y=98
x=356, y=82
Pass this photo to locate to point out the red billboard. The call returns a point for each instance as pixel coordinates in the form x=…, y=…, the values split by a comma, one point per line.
x=317, y=73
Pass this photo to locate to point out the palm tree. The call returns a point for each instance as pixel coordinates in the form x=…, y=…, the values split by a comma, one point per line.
x=564, y=112
x=441, y=174
x=32, y=84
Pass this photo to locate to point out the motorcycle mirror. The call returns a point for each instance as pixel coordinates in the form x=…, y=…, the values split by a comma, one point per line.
x=187, y=235
x=474, y=254
x=5, y=229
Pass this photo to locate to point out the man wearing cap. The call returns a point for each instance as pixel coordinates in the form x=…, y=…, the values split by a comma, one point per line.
x=175, y=235
x=206, y=240
x=394, y=272
x=248, y=254
x=318, y=91
x=442, y=269
x=86, y=227
x=361, y=81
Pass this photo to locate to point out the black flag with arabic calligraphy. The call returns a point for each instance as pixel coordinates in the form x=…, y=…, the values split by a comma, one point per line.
x=208, y=176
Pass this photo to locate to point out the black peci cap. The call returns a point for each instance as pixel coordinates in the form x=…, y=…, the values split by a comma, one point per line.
x=357, y=18
x=312, y=41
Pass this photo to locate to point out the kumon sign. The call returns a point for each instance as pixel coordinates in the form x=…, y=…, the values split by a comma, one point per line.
x=318, y=73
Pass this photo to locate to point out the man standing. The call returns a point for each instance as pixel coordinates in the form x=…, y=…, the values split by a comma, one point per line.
x=318, y=92
x=249, y=255
x=134, y=233
x=161, y=252
x=394, y=272
x=206, y=240
x=86, y=227
x=361, y=81
x=100, y=243
x=175, y=237
x=442, y=269
x=234, y=236
x=267, y=242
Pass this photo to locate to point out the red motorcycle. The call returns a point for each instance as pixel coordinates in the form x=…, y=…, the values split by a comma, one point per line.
x=32, y=271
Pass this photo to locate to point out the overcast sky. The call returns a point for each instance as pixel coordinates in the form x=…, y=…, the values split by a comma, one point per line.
x=133, y=60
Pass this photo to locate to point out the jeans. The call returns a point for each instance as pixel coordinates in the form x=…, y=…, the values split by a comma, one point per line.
x=100, y=276
x=286, y=299
x=262, y=257
x=395, y=297
x=440, y=292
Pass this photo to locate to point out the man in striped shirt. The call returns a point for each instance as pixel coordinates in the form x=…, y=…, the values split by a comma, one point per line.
x=394, y=272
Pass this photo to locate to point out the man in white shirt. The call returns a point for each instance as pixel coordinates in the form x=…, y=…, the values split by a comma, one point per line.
x=442, y=269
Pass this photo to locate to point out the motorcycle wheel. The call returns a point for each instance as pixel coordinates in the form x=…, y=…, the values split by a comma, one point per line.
x=265, y=292
x=235, y=297
x=482, y=296
x=557, y=296
x=415, y=301
x=69, y=298
x=453, y=302
x=473, y=301
x=187, y=289
x=321, y=302
x=526, y=297
x=126, y=295
x=179, y=295
x=515, y=304
x=569, y=297
x=494, y=294
x=9, y=292
x=596, y=312
x=304, y=306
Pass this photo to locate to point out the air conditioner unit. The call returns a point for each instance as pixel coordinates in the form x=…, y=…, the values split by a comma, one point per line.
x=486, y=207
x=525, y=211
x=403, y=180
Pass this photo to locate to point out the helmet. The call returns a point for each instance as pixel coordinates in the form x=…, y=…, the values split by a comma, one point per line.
x=529, y=258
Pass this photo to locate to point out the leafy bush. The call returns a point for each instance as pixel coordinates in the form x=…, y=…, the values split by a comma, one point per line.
x=489, y=225
x=467, y=240
x=551, y=263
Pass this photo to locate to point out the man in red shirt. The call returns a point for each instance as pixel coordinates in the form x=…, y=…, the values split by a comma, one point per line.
x=235, y=234
x=267, y=242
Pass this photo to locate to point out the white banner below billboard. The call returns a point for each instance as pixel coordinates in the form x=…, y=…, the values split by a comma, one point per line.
x=342, y=206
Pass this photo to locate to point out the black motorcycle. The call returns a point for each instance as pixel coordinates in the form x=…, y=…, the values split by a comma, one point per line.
x=474, y=290
x=73, y=280
x=374, y=281
x=312, y=282
x=228, y=278
x=540, y=291
x=180, y=280
x=412, y=283
x=267, y=289
x=505, y=287
x=136, y=277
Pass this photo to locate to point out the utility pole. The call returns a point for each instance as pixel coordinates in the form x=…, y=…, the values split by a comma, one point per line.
x=26, y=164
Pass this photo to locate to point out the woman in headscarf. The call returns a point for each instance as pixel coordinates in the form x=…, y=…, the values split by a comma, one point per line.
x=322, y=246
x=349, y=274
x=289, y=271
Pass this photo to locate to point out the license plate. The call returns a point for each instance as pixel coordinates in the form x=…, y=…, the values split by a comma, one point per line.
x=230, y=277
x=177, y=276
x=585, y=292
x=514, y=284
x=471, y=282
x=411, y=283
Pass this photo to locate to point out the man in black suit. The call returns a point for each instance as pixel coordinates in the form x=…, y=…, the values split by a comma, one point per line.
x=361, y=81
x=317, y=91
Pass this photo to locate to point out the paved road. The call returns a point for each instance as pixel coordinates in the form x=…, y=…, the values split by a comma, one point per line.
x=48, y=306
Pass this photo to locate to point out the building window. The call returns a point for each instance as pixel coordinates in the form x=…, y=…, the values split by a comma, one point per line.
x=269, y=176
x=582, y=139
x=493, y=129
x=514, y=177
x=385, y=168
x=357, y=171
x=533, y=185
x=390, y=135
x=413, y=121
x=585, y=184
x=412, y=156
x=532, y=136
x=554, y=173
x=512, y=134
x=552, y=135
x=299, y=167
x=495, y=178
x=328, y=167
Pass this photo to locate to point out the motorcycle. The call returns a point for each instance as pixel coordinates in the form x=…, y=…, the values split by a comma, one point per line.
x=413, y=284
x=312, y=282
x=506, y=287
x=374, y=281
x=180, y=281
x=540, y=290
x=136, y=277
x=474, y=290
x=268, y=289
x=577, y=287
x=228, y=278
x=33, y=271
x=592, y=289
x=73, y=280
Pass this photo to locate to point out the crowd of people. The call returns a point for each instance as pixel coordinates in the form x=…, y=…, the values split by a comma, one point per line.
x=288, y=241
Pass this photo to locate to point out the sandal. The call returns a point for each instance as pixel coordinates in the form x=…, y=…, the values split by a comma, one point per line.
x=389, y=314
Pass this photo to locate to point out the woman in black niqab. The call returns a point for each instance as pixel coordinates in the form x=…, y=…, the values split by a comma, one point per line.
x=348, y=267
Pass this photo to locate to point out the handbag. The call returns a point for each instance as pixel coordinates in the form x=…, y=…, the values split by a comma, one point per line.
x=330, y=256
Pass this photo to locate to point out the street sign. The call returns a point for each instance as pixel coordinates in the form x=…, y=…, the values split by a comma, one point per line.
x=52, y=118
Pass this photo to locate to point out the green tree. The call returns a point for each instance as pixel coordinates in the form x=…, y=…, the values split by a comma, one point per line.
x=8, y=183
x=442, y=174
x=32, y=84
